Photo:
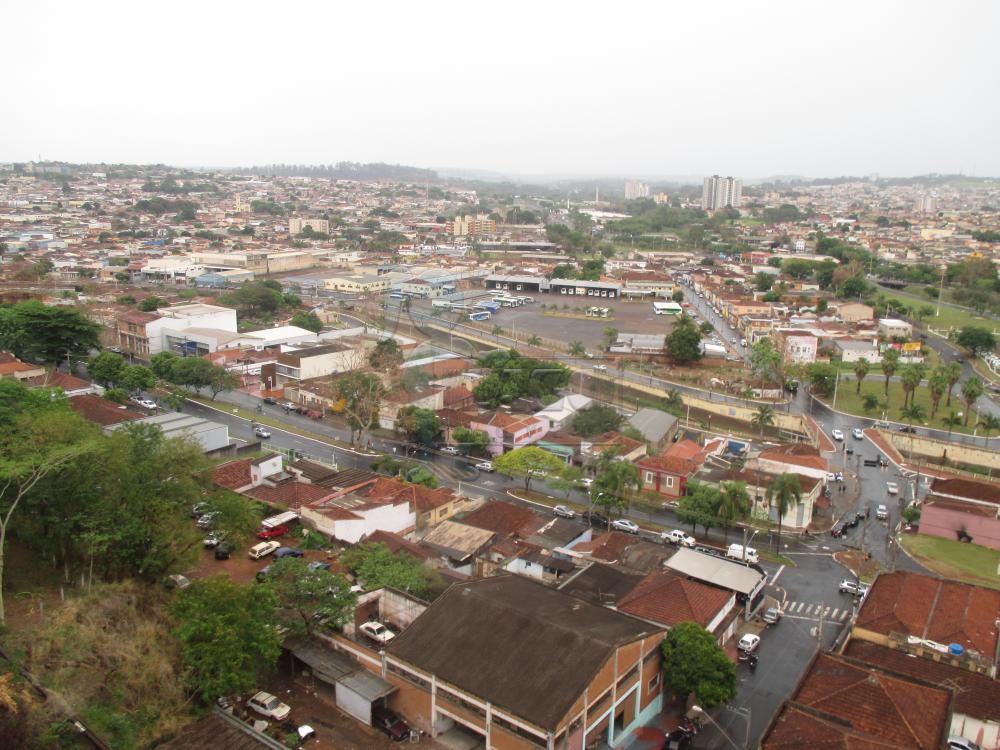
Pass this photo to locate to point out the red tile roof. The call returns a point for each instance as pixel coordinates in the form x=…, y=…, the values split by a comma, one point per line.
x=667, y=598
x=970, y=489
x=939, y=610
x=138, y=318
x=100, y=410
x=421, y=499
x=233, y=474
x=398, y=544
x=506, y=519
x=292, y=495
x=57, y=379
x=609, y=546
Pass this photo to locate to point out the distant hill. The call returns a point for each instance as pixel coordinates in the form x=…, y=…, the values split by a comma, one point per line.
x=344, y=170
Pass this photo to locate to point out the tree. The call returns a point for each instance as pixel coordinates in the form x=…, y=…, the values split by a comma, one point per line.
x=683, y=343
x=577, y=349
x=734, y=503
x=823, y=378
x=763, y=281
x=696, y=665
x=677, y=296
x=228, y=635
x=470, y=440
x=861, y=369
x=699, y=506
x=386, y=356
x=221, y=380
x=937, y=384
x=953, y=371
x=421, y=475
x=911, y=376
x=106, y=368
x=890, y=363
x=566, y=480
x=193, y=372
x=527, y=463
x=151, y=304
x=595, y=420
x=614, y=482
x=39, y=333
x=238, y=519
x=309, y=595
x=534, y=340
x=763, y=417
x=869, y=402
x=359, y=397
x=162, y=365
x=972, y=389
x=375, y=567
x=308, y=320
x=418, y=424
x=610, y=335
x=977, y=340
x=855, y=286
x=784, y=492
x=765, y=361
x=136, y=378
x=989, y=423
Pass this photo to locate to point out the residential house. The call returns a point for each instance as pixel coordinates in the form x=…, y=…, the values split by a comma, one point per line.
x=420, y=397
x=891, y=328
x=852, y=350
x=791, y=458
x=101, y=411
x=459, y=543
x=621, y=447
x=796, y=347
x=656, y=426
x=12, y=367
x=559, y=414
x=509, y=431
x=344, y=355
x=668, y=472
x=495, y=656
x=855, y=312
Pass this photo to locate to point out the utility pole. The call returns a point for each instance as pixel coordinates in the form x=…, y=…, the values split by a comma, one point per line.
x=940, y=291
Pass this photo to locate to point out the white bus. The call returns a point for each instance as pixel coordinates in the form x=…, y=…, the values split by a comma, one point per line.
x=442, y=304
x=667, y=308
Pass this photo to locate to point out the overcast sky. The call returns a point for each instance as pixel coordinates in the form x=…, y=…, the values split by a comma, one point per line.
x=666, y=88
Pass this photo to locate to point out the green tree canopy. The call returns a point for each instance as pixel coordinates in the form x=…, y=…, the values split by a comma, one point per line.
x=977, y=339
x=375, y=566
x=386, y=356
x=39, y=333
x=595, y=420
x=308, y=320
x=528, y=463
x=418, y=424
x=683, y=342
x=309, y=595
x=697, y=666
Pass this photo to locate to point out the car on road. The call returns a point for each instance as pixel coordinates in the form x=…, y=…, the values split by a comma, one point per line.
x=881, y=513
x=839, y=529
x=145, y=403
x=261, y=432
x=389, y=722
x=837, y=435
x=771, y=615
x=623, y=524
x=288, y=552
x=748, y=643
x=847, y=586
x=892, y=488
x=563, y=512
x=882, y=460
x=486, y=466
x=706, y=550
x=273, y=532
x=601, y=368
x=908, y=428
x=677, y=537
x=595, y=519
x=857, y=434
x=377, y=631
x=269, y=400
x=267, y=705
x=449, y=450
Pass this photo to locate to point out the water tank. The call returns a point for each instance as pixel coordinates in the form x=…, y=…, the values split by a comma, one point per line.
x=956, y=649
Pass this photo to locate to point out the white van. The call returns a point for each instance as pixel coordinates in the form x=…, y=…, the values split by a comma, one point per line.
x=262, y=550
x=737, y=552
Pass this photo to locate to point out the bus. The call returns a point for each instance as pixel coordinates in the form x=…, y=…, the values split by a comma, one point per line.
x=481, y=315
x=491, y=306
x=398, y=295
x=525, y=300
x=507, y=301
x=667, y=308
x=442, y=304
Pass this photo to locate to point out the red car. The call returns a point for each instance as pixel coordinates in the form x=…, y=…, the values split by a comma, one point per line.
x=272, y=533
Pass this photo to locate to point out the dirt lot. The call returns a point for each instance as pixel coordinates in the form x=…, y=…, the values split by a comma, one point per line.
x=242, y=569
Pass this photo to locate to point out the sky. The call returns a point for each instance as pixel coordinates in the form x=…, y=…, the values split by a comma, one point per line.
x=752, y=89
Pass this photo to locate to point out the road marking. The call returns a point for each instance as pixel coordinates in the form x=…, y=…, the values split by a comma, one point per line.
x=809, y=609
x=777, y=574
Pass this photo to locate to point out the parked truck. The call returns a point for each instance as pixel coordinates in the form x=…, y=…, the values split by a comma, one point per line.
x=745, y=554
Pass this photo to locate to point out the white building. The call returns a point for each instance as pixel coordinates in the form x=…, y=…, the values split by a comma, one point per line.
x=296, y=225
x=893, y=327
x=635, y=189
x=721, y=192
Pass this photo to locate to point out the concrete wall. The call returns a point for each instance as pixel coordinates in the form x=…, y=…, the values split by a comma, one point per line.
x=946, y=523
x=933, y=448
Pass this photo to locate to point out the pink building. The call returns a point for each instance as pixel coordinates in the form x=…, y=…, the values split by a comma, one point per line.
x=951, y=518
x=508, y=431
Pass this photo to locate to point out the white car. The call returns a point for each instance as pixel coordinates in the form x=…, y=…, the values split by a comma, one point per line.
x=377, y=632
x=261, y=432
x=601, y=368
x=449, y=450
x=748, y=643
x=484, y=466
x=837, y=435
x=892, y=488
x=677, y=537
x=267, y=705
x=587, y=482
x=857, y=434
x=145, y=403
x=881, y=513
x=623, y=524
x=563, y=512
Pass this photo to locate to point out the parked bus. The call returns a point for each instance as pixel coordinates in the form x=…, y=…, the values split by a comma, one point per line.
x=482, y=315
x=398, y=295
x=491, y=306
x=442, y=304
x=667, y=308
x=525, y=300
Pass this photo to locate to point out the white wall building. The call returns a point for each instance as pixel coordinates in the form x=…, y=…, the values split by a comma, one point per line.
x=721, y=192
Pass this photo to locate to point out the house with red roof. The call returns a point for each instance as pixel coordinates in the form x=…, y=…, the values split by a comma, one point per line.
x=509, y=431
x=668, y=472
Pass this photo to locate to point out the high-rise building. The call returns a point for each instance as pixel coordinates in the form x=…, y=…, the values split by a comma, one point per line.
x=480, y=224
x=635, y=189
x=297, y=224
x=721, y=192
x=926, y=204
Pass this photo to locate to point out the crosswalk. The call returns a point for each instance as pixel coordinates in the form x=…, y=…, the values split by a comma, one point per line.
x=812, y=611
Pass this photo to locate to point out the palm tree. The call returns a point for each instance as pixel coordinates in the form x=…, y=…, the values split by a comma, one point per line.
x=734, y=502
x=972, y=389
x=610, y=334
x=912, y=414
x=937, y=384
x=952, y=420
x=861, y=368
x=763, y=417
x=890, y=363
x=989, y=423
x=953, y=371
x=534, y=340
x=911, y=375
x=577, y=349
x=783, y=493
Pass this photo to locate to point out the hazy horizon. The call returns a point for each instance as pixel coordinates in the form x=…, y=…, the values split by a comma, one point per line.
x=749, y=89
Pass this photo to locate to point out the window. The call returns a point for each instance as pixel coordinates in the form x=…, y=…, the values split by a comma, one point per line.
x=670, y=481
x=649, y=477
x=654, y=683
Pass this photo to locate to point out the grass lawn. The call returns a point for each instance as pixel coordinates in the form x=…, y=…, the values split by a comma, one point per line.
x=950, y=317
x=954, y=559
x=931, y=358
x=849, y=401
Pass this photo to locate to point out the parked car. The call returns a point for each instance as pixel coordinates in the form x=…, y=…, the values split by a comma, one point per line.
x=771, y=615
x=213, y=539
x=908, y=428
x=847, y=586
x=881, y=513
x=860, y=516
x=200, y=509
x=206, y=521
x=601, y=368
x=892, y=488
x=748, y=643
x=677, y=537
x=838, y=529
x=269, y=400
x=223, y=551
x=145, y=403
x=267, y=705
x=704, y=550
x=262, y=550
x=857, y=434
x=177, y=581
x=837, y=435
x=272, y=533
x=587, y=482
x=563, y=512
x=449, y=450
x=623, y=524
x=261, y=432
x=377, y=632
x=389, y=722
x=288, y=552
x=486, y=466
x=595, y=519
x=262, y=574
x=318, y=565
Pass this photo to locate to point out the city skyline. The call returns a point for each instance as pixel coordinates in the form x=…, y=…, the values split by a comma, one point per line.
x=815, y=94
